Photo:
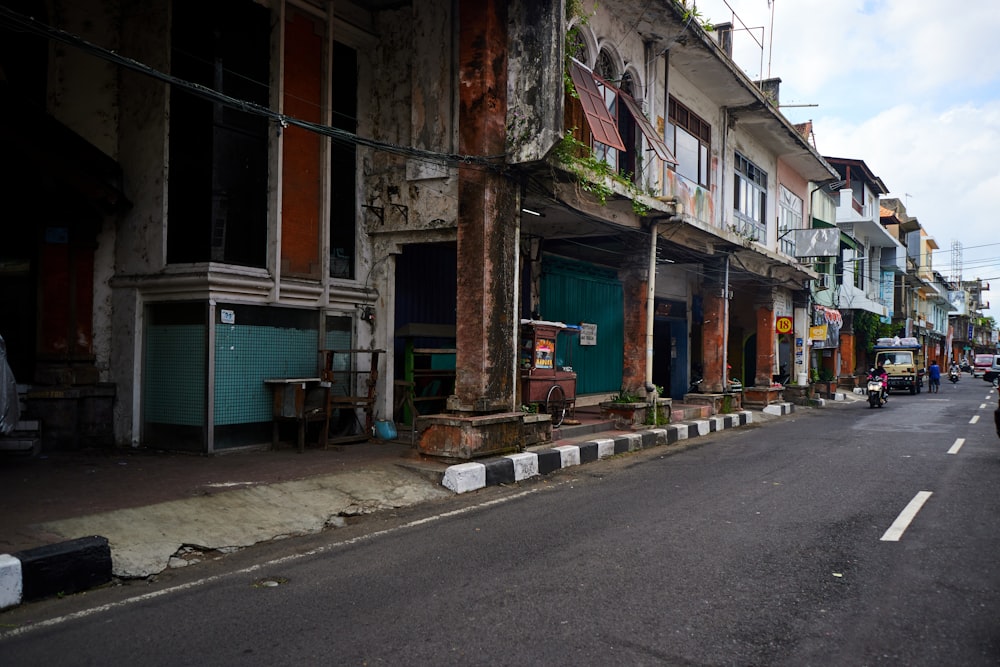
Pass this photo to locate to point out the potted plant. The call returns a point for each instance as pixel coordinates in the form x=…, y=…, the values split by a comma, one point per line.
x=630, y=408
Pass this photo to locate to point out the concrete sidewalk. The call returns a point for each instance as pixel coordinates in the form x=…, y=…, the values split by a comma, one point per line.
x=157, y=511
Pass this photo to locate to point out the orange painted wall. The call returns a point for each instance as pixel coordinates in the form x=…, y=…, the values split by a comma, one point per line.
x=848, y=356
x=301, y=187
x=66, y=302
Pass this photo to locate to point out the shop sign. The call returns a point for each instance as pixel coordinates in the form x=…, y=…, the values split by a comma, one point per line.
x=588, y=334
x=817, y=332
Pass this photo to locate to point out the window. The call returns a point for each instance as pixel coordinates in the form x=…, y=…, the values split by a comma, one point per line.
x=615, y=120
x=217, y=188
x=854, y=266
x=750, y=199
x=689, y=138
x=343, y=165
x=789, y=219
x=609, y=152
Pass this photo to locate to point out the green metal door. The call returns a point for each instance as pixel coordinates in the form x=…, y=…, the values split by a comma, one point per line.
x=574, y=293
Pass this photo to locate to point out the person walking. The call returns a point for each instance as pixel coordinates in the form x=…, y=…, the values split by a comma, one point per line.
x=934, y=377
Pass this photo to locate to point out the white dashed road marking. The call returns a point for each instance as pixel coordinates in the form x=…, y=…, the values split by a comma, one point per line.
x=905, y=517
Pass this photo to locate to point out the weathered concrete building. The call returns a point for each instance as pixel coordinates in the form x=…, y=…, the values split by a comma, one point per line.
x=249, y=182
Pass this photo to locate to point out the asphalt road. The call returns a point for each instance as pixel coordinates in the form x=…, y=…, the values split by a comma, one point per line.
x=780, y=544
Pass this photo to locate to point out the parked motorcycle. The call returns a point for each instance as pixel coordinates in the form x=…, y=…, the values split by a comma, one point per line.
x=876, y=390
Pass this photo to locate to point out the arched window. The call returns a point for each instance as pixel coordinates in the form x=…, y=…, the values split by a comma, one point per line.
x=576, y=44
x=605, y=67
x=615, y=123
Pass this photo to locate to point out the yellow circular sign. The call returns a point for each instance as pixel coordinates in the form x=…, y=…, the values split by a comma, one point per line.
x=784, y=325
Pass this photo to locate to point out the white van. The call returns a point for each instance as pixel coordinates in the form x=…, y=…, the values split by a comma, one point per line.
x=993, y=374
x=981, y=363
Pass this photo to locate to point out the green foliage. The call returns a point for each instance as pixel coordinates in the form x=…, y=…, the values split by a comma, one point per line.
x=577, y=16
x=691, y=13
x=531, y=408
x=870, y=328
x=593, y=175
x=657, y=417
x=625, y=396
x=825, y=375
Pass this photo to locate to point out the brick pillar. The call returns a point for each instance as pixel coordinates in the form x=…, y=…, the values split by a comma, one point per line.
x=487, y=218
x=765, y=345
x=713, y=343
x=848, y=344
x=634, y=356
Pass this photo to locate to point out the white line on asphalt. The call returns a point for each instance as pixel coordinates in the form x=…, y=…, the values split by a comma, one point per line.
x=253, y=568
x=982, y=405
x=905, y=517
x=974, y=419
x=957, y=446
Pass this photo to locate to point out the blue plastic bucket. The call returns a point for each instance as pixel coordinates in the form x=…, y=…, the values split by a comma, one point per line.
x=385, y=430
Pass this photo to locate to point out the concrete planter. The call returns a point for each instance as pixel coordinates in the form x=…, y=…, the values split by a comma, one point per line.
x=761, y=397
x=630, y=415
x=721, y=404
x=799, y=394
x=825, y=388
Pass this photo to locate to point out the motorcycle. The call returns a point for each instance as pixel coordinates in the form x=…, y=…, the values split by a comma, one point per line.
x=876, y=390
x=953, y=376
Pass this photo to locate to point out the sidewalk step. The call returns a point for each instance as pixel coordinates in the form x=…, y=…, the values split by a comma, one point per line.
x=576, y=430
x=681, y=412
x=20, y=444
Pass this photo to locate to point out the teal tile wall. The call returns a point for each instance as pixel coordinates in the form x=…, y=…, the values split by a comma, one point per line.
x=246, y=355
x=174, y=376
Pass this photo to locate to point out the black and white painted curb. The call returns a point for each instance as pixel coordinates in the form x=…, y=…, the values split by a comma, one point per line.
x=472, y=476
x=63, y=568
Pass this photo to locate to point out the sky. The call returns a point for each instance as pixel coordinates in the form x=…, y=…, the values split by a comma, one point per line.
x=912, y=87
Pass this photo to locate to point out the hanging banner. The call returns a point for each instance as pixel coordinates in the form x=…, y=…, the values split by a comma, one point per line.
x=831, y=320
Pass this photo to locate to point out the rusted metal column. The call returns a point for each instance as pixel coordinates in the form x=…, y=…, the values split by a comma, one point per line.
x=765, y=345
x=487, y=218
x=713, y=345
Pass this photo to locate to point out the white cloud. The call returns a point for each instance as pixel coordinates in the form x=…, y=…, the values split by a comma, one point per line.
x=912, y=87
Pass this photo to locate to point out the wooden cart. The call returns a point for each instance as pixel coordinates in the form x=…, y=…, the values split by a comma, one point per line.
x=543, y=382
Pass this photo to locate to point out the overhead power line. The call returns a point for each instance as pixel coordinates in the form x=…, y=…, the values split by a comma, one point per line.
x=31, y=25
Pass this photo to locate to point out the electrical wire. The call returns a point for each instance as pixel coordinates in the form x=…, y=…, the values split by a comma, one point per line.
x=31, y=25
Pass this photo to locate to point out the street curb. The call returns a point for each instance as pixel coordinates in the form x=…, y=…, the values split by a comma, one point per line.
x=475, y=475
x=54, y=569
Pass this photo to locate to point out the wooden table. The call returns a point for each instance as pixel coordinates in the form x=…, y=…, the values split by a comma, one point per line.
x=301, y=400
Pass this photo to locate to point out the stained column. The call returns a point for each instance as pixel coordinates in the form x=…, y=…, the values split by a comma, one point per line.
x=487, y=217
x=713, y=342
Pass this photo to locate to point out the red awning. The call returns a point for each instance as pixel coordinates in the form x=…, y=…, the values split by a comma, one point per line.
x=602, y=123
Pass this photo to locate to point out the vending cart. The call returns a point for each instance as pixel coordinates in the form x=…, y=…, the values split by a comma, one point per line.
x=546, y=381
